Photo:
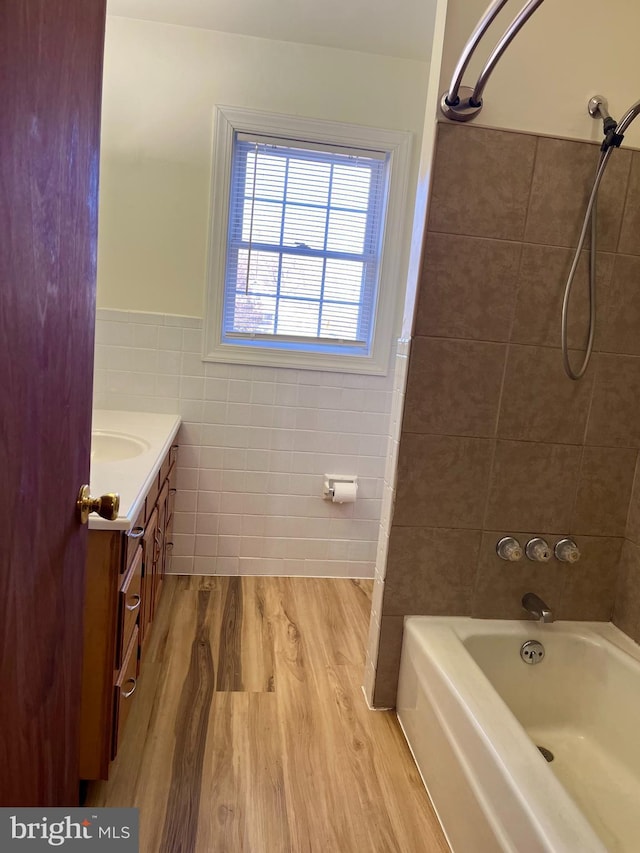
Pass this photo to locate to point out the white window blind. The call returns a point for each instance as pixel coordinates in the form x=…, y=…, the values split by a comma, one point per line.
x=304, y=241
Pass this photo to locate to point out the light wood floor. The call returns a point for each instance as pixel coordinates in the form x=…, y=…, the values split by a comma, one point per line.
x=250, y=732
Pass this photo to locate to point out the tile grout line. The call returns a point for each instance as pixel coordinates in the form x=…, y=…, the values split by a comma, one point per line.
x=625, y=201
x=530, y=194
x=636, y=473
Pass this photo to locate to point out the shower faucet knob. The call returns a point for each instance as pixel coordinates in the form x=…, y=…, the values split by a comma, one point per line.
x=509, y=549
x=537, y=550
x=567, y=551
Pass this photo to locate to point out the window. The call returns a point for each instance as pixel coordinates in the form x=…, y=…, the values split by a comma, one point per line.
x=297, y=268
x=303, y=245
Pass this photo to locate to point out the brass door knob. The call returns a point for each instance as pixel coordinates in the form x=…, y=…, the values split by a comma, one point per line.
x=106, y=506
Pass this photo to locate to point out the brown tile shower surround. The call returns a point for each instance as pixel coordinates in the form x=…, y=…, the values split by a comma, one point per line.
x=495, y=439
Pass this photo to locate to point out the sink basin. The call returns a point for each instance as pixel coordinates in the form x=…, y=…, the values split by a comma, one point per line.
x=115, y=446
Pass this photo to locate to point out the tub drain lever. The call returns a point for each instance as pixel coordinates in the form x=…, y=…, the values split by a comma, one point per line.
x=532, y=652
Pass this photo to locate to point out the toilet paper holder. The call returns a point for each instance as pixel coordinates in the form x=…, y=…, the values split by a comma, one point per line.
x=330, y=480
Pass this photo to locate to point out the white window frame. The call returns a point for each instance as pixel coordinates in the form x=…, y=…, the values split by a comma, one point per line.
x=397, y=144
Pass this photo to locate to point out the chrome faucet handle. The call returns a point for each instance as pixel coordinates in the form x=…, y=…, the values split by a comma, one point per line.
x=567, y=551
x=509, y=549
x=537, y=550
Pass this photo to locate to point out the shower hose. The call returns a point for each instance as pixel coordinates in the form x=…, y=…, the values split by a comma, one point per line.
x=589, y=219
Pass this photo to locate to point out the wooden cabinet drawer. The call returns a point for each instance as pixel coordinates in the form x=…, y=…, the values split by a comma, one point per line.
x=163, y=503
x=149, y=560
x=129, y=606
x=167, y=462
x=168, y=544
x=124, y=691
x=152, y=495
x=171, y=502
x=132, y=539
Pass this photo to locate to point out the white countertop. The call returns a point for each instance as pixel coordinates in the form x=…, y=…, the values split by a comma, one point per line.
x=131, y=478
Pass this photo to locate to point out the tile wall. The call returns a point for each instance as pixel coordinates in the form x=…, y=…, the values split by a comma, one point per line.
x=254, y=445
x=626, y=613
x=495, y=439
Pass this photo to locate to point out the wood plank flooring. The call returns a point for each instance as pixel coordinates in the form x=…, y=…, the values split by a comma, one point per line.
x=250, y=733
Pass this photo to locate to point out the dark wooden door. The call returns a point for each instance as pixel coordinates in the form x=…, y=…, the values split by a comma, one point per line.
x=50, y=87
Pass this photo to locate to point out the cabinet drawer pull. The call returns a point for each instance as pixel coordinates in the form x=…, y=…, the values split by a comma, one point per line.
x=135, y=533
x=127, y=693
x=137, y=599
x=169, y=556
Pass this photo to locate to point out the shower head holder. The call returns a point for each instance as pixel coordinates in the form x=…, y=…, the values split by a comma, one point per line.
x=598, y=108
x=612, y=139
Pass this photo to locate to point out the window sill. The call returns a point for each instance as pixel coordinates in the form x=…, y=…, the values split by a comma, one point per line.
x=227, y=353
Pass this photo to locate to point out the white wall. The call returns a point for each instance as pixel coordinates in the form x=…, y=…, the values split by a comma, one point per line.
x=567, y=52
x=256, y=440
x=161, y=83
x=388, y=27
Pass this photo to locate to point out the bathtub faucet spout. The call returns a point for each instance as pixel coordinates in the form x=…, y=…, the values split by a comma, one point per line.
x=536, y=607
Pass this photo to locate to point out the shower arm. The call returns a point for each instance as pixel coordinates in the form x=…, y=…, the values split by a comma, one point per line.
x=467, y=107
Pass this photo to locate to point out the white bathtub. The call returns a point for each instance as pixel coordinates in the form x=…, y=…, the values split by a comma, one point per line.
x=473, y=712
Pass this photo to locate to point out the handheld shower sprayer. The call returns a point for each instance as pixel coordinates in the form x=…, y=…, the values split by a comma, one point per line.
x=613, y=135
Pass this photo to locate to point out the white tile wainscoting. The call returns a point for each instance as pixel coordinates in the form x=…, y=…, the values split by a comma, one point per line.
x=254, y=444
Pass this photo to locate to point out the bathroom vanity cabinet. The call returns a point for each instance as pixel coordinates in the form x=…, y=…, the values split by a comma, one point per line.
x=125, y=570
